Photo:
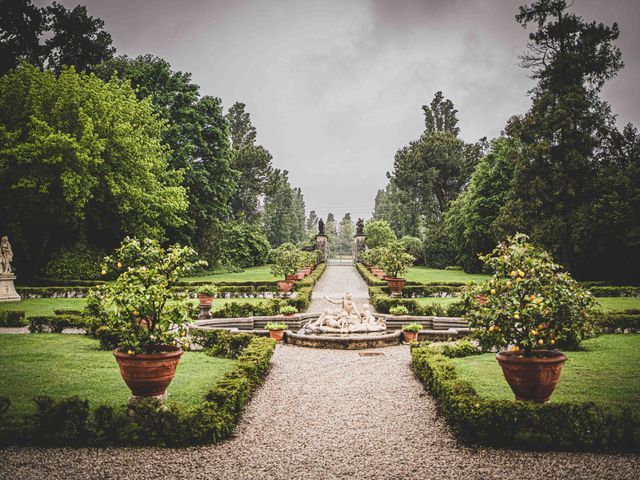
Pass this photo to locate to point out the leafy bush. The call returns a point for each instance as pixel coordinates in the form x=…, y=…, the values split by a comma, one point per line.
x=627, y=320
x=140, y=306
x=461, y=348
x=378, y=233
x=221, y=343
x=276, y=326
x=81, y=262
x=530, y=302
x=243, y=244
x=207, y=290
x=56, y=323
x=288, y=310
x=413, y=246
x=399, y=310
x=583, y=426
x=286, y=259
x=412, y=327
x=12, y=318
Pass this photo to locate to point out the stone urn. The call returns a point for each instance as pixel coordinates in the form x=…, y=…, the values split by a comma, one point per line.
x=532, y=378
x=395, y=285
x=205, y=299
x=148, y=374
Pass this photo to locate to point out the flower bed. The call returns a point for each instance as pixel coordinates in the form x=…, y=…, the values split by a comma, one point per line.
x=565, y=426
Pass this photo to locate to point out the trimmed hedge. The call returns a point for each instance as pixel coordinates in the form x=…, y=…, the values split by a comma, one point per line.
x=71, y=422
x=615, y=291
x=383, y=303
x=56, y=323
x=564, y=426
x=620, y=322
x=12, y=318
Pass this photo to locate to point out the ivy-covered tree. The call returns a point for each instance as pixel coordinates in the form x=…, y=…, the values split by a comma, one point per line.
x=80, y=160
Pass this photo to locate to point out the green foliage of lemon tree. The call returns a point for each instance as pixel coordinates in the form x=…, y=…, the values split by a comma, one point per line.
x=530, y=302
x=286, y=259
x=80, y=159
x=140, y=308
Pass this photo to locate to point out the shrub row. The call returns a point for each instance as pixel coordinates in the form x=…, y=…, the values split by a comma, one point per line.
x=71, y=421
x=56, y=323
x=383, y=303
x=566, y=426
x=53, y=292
x=620, y=322
x=12, y=318
x=615, y=291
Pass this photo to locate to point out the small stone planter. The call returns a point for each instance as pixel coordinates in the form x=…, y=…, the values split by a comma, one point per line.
x=277, y=335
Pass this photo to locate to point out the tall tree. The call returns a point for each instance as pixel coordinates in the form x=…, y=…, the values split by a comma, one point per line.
x=80, y=160
x=21, y=24
x=312, y=223
x=346, y=234
x=78, y=39
x=283, y=217
x=441, y=116
x=241, y=130
x=563, y=133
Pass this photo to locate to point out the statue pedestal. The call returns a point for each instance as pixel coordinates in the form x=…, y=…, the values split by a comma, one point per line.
x=360, y=247
x=7, y=288
x=322, y=244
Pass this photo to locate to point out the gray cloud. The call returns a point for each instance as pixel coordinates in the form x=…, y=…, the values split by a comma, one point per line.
x=335, y=88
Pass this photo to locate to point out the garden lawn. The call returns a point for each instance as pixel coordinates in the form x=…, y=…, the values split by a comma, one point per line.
x=434, y=275
x=254, y=274
x=619, y=303
x=606, y=373
x=47, y=306
x=61, y=366
x=444, y=301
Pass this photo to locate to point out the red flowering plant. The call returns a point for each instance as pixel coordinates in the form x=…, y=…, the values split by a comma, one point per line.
x=530, y=303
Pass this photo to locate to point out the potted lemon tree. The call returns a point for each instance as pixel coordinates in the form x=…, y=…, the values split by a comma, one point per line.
x=148, y=319
x=528, y=309
x=395, y=262
x=410, y=332
x=286, y=260
x=276, y=330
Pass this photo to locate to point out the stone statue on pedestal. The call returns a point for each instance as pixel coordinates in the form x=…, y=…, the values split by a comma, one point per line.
x=360, y=227
x=7, y=288
x=321, y=227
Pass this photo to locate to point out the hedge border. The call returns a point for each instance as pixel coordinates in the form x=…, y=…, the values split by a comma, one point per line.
x=509, y=423
x=70, y=422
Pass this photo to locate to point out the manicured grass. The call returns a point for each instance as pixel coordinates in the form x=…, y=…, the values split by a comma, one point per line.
x=44, y=306
x=47, y=306
x=444, y=301
x=619, y=303
x=61, y=365
x=254, y=274
x=606, y=373
x=434, y=275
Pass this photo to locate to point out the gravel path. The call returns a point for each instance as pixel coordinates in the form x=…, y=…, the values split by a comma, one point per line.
x=325, y=414
x=335, y=282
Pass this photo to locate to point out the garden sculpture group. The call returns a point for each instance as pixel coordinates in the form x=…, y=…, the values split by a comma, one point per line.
x=345, y=319
x=7, y=288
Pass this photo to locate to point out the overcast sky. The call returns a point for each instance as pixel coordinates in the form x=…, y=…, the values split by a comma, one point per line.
x=334, y=88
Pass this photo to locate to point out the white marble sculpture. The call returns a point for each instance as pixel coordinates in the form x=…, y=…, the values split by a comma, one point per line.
x=345, y=319
x=7, y=288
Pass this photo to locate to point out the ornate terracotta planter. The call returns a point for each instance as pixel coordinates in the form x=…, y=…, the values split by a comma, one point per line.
x=205, y=300
x=307, y=270
x=395, y=285
x=292, y=278
x=285, y=286
x=410, y=336
x=533, y=379
x=148, y=375
x=300, y=275
x=277, y=335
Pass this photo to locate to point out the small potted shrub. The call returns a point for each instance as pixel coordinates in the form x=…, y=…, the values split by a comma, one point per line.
x=286, y=260
x=276, y=330
x=288, y=310
x=147, y=319
x=399, y=310
x=205, y=295
x=395, y=262
x=410, y=332
x=530, y=307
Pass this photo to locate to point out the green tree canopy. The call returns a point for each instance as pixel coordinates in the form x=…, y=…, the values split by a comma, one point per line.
x=80, y=159
x=378, y=233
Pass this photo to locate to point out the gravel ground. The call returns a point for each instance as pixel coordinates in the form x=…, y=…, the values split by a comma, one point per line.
x=325, y=414
x=335, y=282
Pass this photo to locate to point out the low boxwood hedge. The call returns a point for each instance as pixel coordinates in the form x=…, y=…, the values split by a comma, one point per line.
x=71, y=421
x=12, y=318
x=620, y=322
x=564, y=426
x=56, y=323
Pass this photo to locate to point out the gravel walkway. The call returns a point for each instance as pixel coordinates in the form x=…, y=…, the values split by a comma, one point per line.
x=335, y=282
x=325, y=414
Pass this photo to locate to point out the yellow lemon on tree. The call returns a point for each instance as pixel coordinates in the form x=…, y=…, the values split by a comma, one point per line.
x=103, y=272
x=516, y=316
x=513, y=273
x=119, y=264
x=552, y=342
x=533, y=332
x=531, y=298
x=515, y=348
x=508, y=283
x=136, y=313
x=521, y=273
x=518, y=280
x=131, y=352
x=540, y=342
x=493, y=291
x=538, y=300
x=491, y=328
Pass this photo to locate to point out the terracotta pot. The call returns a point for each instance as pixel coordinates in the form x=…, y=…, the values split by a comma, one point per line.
x=277, y=335
x=533, y=379
x=148, y=375
x=307, y=270
x=300, y=275
x=205, y=299
x=292, y=278
x=410, y=336
x=395, y=285
x=285, y=286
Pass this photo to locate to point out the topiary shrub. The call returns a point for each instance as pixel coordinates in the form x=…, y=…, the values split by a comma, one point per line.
x=12, y=318
x=80, y=262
